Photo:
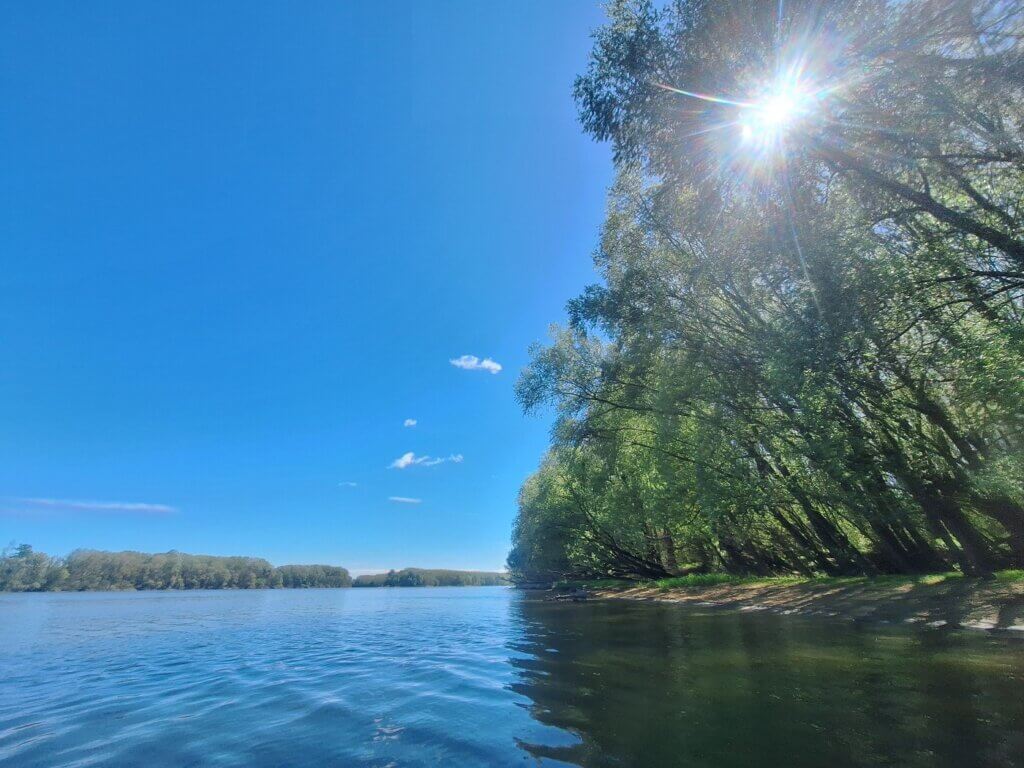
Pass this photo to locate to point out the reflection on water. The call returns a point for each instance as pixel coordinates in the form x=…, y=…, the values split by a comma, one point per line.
x=486, y=677
x=661, y=685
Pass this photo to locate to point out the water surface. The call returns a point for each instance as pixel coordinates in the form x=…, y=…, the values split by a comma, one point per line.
x=487, y=677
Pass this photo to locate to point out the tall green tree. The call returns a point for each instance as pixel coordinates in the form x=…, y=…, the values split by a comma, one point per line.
x=805, y=354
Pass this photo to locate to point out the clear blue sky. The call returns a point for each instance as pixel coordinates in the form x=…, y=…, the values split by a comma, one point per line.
x=242, y=242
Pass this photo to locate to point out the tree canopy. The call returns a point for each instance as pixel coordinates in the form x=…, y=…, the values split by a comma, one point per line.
x=431, y=577
x=25, y=570
x=805, y=353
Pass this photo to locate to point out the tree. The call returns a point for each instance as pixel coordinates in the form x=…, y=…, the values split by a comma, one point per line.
x=804, y=354
x=24, y=570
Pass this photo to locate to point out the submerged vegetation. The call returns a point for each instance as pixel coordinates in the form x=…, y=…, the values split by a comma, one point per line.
x=431, y=577
x=805, y=355
x=25, y=570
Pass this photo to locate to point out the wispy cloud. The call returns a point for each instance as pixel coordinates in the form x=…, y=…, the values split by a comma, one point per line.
x=101, y=506
x=347, y=484
x=409, y=423
x=474, y=363
x=410, y=459
x=404, y=500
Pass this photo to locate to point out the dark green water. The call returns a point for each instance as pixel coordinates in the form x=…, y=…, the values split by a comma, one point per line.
x=657, y=685
x=487, y=677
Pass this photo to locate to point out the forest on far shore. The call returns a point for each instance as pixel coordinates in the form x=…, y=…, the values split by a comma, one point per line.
x=22, y=569
x=432, y=577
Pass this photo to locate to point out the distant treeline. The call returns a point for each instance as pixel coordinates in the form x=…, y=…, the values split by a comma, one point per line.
x=22, y=569
x=431, y=577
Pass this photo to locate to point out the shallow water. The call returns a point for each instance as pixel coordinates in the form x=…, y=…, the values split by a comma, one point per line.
x=487, y=677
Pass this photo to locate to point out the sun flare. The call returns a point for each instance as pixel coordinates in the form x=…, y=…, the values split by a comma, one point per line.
x=767, y=119
x=779, y=109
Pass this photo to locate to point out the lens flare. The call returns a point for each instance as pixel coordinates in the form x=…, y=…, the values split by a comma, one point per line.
x=778, y=110
x=770, y=117
x=749, y=134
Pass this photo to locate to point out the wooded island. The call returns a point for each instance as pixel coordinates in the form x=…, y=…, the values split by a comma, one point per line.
x=22, y=569
x=432, y=577
x=25, y=570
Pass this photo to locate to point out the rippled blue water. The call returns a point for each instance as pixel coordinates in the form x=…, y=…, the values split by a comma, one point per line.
x=484, y=677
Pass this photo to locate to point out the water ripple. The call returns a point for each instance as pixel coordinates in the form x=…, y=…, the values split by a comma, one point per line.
x=367, y=678
x=382, y=678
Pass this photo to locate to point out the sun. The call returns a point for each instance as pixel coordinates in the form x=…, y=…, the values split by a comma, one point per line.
x=765, y=121
x=772, y=116
x=778, y=110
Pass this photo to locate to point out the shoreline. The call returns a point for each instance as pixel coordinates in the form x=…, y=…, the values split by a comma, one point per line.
x=950, y=603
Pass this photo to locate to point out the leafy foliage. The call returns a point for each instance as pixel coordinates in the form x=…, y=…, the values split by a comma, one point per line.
x=25, y=570
x=431, y=577
x=807, y=360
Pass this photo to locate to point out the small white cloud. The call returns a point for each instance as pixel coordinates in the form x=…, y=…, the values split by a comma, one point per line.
x=404, y=500
x=102, y=506
x=409, y=423
x=410, y=459
x=474, y=363
x=347, y=484
x=406, y=460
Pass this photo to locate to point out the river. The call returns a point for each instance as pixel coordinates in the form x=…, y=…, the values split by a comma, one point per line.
x=488, y=677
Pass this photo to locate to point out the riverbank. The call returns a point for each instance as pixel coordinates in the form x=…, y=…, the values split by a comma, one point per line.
x=939, y=600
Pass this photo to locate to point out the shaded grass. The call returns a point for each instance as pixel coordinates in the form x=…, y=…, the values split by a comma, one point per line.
x=715, y=579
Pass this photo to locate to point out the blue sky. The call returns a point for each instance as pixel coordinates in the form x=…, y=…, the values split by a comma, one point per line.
x=243, y=242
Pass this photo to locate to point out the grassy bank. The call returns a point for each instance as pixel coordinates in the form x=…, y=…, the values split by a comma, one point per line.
x=938, y=600
x=880, y=582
